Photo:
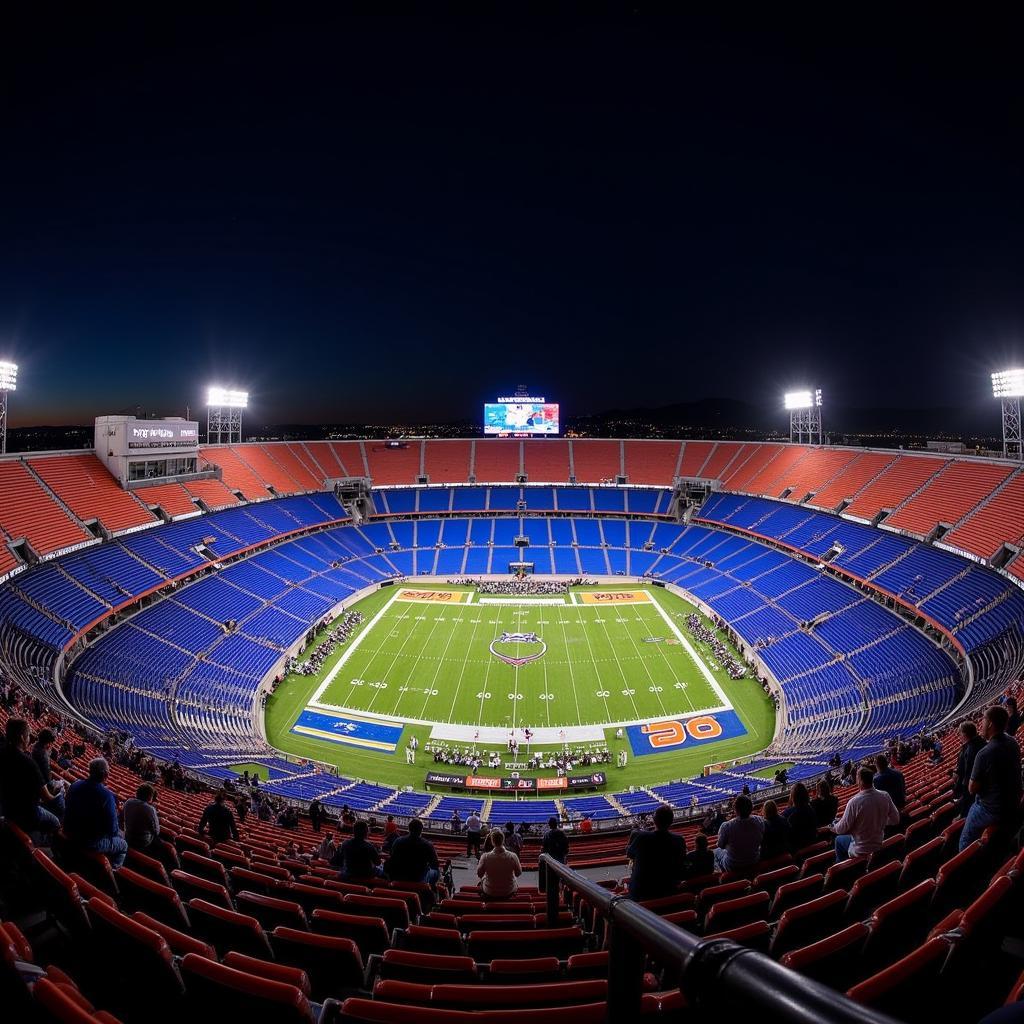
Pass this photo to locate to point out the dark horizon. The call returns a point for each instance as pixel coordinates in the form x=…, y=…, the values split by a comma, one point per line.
x=388, y=219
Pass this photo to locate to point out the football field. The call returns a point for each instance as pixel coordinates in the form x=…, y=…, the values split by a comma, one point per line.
x=589, y=658
x=445, y=663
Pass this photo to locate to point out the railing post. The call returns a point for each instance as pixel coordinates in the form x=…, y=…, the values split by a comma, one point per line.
x=552, y=889
x=626, y=959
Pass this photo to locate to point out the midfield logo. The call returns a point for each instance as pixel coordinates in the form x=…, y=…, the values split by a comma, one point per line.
x=518, y=638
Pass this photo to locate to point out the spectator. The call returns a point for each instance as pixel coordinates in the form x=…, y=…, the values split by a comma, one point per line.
x=586, y=825
x=512, y=842
x=218, y=819
x=825, y=805
x=1013, y=721
x=41, y=755
x=288, y=818
x=555, y=842
x=969, y=748
x=800, y=817
x=141, y=822
x=316, y=814
x=889, y=780
x=659, y=858
x=739, y=838
x=868, y=813
x=413, y=858
x=700, y=860
x=91, y=818
x=357, y=857
x=777, y=838
x=21, y=783
x=995, y=780
x=498, y=869
x=390, y=825
x=473, y=826
x=328, y=848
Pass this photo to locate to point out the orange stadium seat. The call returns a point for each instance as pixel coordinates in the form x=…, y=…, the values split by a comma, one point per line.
x=351, y=455
x=949, y=496
x=998, y=520
x=695, y=457
x=813, y=471
x=297, y=464
x=546, y=460
x=750, y=464
x=725, y=455
x=863, y=468
x=894, y=485
x=652, y=462
x=83, y=483
x=323, y=460
x=447, y=461
x=211, y=493
x=174, y=499
x=394, y=465
x=268, y=468
x=594, y=461
x=770, y=480
x=496, y=460
x=236, y=474
x=28, y=511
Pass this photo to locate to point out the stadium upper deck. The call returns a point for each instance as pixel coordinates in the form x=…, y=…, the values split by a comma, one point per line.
x=55, y=502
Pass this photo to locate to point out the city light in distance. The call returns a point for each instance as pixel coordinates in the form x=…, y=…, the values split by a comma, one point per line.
x=803, y=399
x=227, y=397
x=8, y=376
x=1008, y=384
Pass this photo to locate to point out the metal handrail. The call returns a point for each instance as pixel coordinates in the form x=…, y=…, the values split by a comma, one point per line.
x=718, y=974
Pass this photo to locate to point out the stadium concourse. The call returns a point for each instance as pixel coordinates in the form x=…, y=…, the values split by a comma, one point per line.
x=878, y=594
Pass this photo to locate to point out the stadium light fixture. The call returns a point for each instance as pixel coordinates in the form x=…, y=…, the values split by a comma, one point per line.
x=8, y=383
x=1008, y=387
x=227, y=398
x=224, y=414
x=804, y=407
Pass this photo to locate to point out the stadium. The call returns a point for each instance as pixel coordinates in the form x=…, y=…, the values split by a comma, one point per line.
x=518, y=628
x=344, y=680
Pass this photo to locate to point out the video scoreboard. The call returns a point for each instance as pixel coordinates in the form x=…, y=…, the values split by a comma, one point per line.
x=521, y=416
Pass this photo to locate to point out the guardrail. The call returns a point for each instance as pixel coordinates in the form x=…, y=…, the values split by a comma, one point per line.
x=719, y=975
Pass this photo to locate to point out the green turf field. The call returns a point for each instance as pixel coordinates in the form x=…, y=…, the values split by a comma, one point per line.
x=429, y=662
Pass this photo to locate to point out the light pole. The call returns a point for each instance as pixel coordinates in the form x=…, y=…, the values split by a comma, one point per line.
x=224, y=415
x=804, y=416
x=1008, y=385
x=8, y=383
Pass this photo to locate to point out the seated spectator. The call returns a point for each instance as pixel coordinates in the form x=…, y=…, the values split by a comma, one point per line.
x=739, y=838
x=218, y=820
x=700, y=860
x=328, y=848
x=141, y=822
x=889, y=780
x=288, y=818
x=659, y=858
x=357, y=857
x=825, y=805
x=90, y=821
x=498, y=869
x=800, y=817
x=413, y=858
x=586, y=825
x=777, y=839
x=995, y=780
x=1013, y=717
x=21, y=784
x=390, y=825
x=867, y=814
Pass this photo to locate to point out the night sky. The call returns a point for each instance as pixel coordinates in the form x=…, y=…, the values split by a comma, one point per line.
x=390, y=219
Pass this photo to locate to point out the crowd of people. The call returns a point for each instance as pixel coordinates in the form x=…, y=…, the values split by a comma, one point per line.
x=561, y=760
x=518, y=586
x=736, y=669
x=327, y=646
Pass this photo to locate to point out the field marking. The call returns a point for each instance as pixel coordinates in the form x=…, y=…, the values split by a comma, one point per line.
x=462, y=670
x=645, y=662
x=627, y=690
x=350, y=650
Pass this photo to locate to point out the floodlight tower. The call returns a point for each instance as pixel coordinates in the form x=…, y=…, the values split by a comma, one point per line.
x=1008, y=385
x=8, y=382
x=224, y=415
x=804, y=416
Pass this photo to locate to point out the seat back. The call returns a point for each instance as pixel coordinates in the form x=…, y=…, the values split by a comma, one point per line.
x=834, y=960
x=216, y=991
x=727, y=914
x=907, y=990
x=792, y=894
x=333, y=964
x=899, y=925
x=427, y=968
x=227, y=930
x=873, y=889
x=370, y=934
x=496, y=945
x=802, y=925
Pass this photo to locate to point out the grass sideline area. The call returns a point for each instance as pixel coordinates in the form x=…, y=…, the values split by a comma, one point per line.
x=445, y=644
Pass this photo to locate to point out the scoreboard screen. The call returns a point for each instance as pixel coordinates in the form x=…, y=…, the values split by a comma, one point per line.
x=520, y=418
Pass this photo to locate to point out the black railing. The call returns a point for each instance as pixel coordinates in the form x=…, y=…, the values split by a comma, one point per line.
x=718, y=975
